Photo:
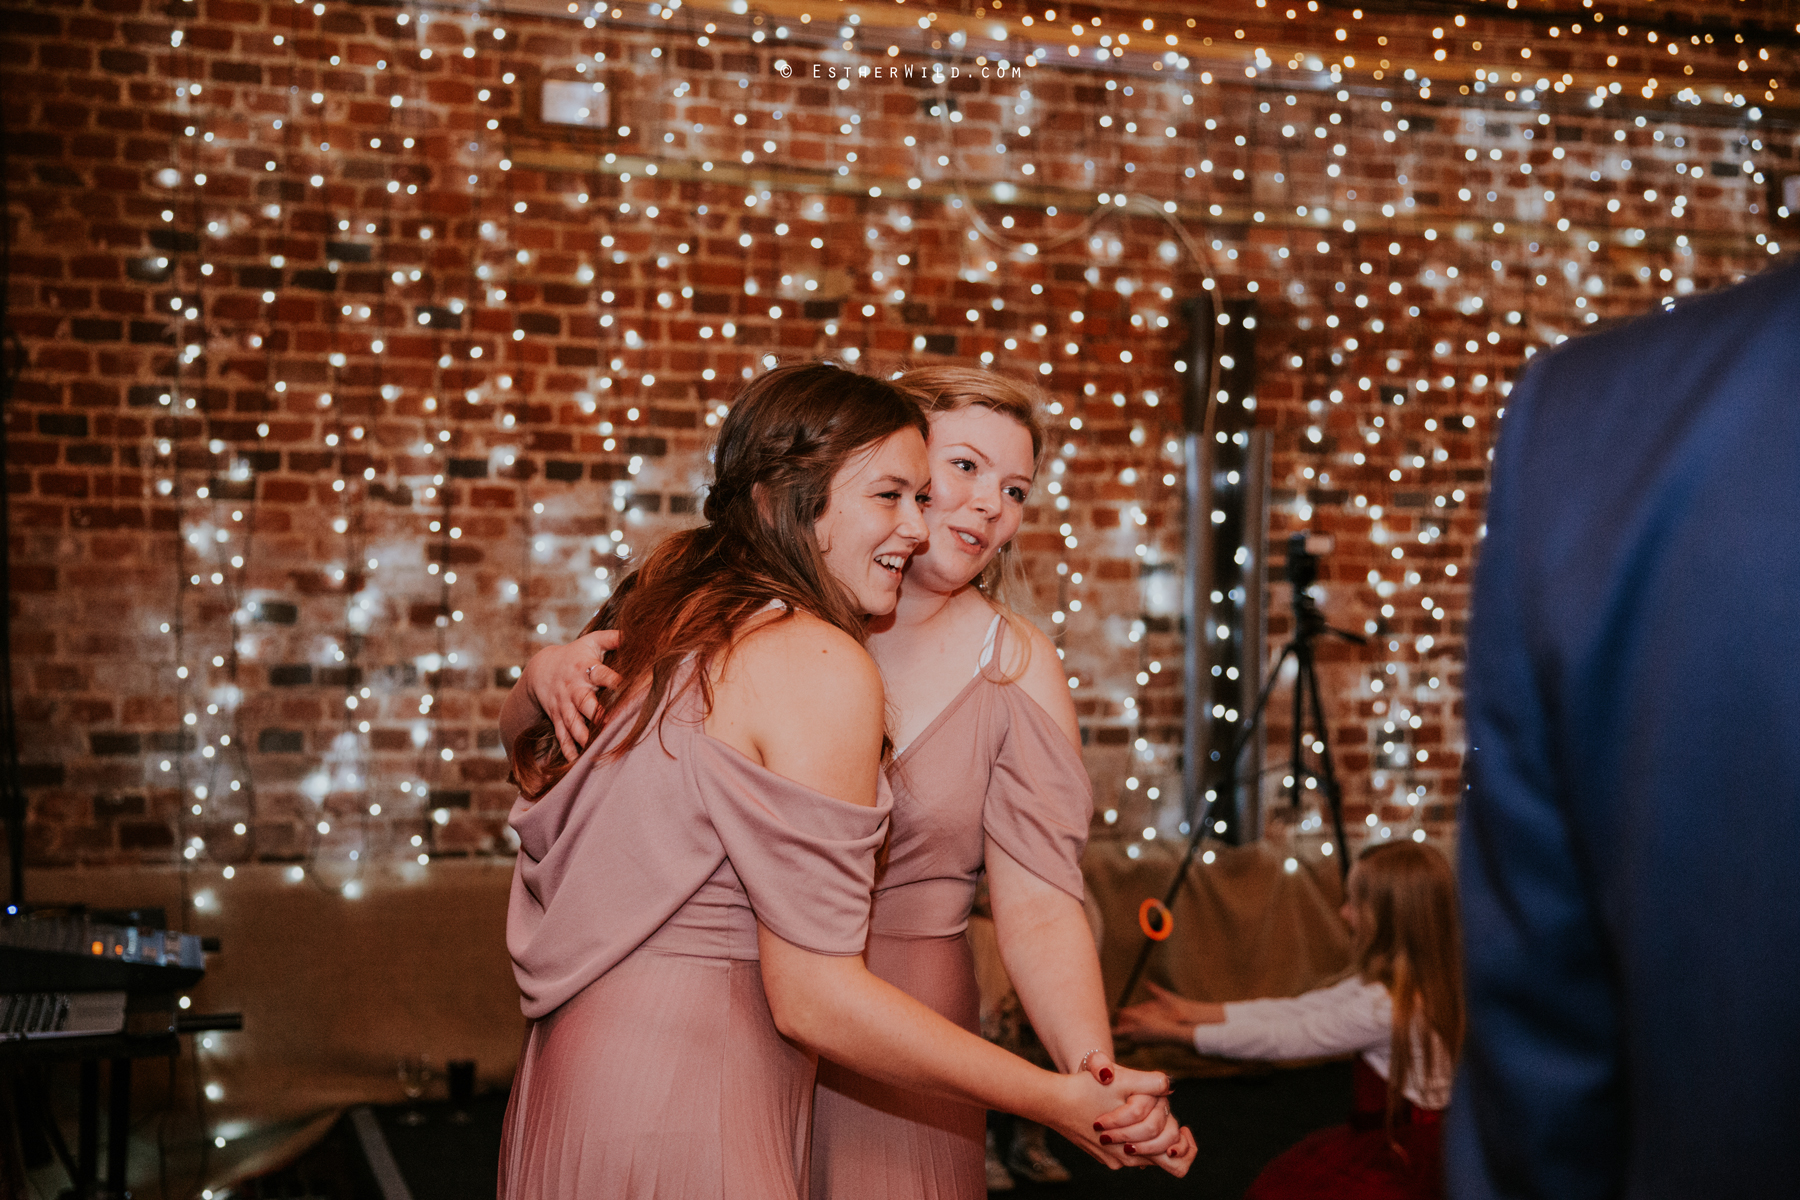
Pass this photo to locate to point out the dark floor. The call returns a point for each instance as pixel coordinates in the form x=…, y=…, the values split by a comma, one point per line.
x=1240, y=1124
x=449, y=1154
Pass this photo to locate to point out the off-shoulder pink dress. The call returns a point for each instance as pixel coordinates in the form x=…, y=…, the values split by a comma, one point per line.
x=992, y=764
x=652, y=1067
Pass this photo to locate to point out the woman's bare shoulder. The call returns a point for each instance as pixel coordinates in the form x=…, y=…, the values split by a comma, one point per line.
x=811, y=667
x=800, y=642
x=1030, y=660
x=805, y=699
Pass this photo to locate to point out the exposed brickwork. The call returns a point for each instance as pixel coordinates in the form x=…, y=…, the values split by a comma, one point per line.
x=363, y=423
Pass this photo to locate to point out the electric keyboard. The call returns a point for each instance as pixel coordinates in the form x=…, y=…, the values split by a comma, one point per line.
x=78, y=989
x=33, y=1015
x=75, y=954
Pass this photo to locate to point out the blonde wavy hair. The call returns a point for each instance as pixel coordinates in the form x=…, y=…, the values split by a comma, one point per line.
x=1411, y=943
x=951, y=389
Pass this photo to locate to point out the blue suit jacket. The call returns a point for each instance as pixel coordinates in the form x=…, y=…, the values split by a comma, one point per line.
x=1629, y=861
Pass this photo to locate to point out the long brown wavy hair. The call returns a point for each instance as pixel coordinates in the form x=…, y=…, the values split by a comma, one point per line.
x=788, y=434
x=1409, y=941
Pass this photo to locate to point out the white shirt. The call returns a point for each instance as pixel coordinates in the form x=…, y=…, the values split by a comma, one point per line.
x=1351, y=1017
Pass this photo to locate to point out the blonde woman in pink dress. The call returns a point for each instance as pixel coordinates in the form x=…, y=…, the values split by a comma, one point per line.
x=691, y=894
x=987, y=775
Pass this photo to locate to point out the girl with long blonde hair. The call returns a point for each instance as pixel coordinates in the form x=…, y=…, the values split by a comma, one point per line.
x=1399, y=1010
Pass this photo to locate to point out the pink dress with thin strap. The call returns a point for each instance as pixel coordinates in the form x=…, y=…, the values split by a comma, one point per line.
x=651, y=1066
x=991, y=764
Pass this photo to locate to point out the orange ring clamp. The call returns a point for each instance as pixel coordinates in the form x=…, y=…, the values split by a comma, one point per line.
x=1155, y=919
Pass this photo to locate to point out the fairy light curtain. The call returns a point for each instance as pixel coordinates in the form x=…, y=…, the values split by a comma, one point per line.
x=436, y=364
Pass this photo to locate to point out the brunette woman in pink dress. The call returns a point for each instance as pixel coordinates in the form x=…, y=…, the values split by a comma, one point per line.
x=691, y=894
x=986, y=775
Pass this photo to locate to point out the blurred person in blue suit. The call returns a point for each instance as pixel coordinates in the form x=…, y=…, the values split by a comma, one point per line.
x=1630, y=842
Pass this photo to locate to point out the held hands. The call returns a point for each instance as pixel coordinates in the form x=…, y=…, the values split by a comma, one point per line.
x=564, y=681
x=1131, y=1125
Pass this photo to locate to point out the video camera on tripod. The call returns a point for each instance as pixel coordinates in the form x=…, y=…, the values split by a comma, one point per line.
x=1302, y=565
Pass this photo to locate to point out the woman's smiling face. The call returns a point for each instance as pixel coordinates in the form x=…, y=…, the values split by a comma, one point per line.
x=981, y=471
x=874, y=521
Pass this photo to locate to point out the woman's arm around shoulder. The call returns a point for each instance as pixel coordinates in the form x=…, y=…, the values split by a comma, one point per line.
x=1043, y=678
x=562, y=682
x=804, y=699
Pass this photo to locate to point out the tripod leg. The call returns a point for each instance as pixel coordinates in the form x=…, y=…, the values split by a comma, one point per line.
x=1203, y=822
x=1252, y=722
x=1334, y=797
x=1296, y=739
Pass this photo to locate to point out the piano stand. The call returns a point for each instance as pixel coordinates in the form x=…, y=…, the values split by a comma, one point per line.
x=118, y=1125
x=118, y=1050
x=118, y=1129
x=87, y=1140
x=45, y=952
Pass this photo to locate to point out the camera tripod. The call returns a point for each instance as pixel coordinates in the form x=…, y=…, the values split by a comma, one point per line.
x=1309, y=626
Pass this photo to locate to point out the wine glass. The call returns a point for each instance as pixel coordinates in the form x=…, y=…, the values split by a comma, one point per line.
x=415, y=1072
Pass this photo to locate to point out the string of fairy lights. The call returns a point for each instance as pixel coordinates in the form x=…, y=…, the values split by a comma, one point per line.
x=431, y=741
x=1276, y=202
x=186, y=366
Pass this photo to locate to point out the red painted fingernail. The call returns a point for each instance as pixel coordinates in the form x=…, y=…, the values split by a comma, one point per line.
x=1106, y=1075
x=1105, y=1141
x=1097, y=1127
x=1130, y=1149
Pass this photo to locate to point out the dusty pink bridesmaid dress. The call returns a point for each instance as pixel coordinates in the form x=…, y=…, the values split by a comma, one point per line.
x=992, y=764
x=652, y=1067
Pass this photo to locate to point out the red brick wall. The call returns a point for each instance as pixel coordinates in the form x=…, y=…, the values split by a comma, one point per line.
x=277, y=410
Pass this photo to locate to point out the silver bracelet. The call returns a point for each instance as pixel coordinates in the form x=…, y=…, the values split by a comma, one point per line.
x=1081, y=1068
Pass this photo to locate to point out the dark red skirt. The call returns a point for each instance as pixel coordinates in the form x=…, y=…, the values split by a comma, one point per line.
x=1358, y=1161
